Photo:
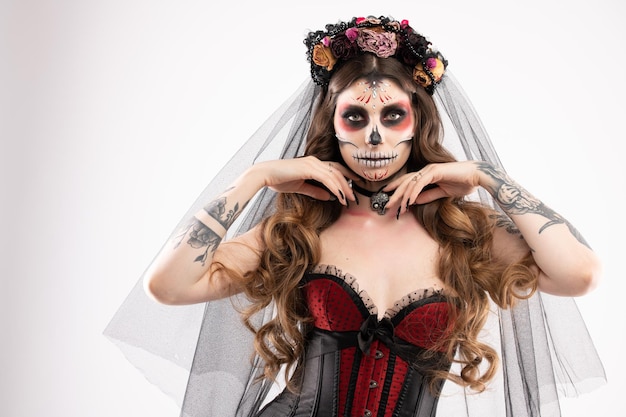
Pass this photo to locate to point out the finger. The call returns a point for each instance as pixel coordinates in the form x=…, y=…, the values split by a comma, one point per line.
x=407, y=191
x=406, y=180
x=430, y=195
x=340, y=177
x=324, y=177
x=345, y=176
x=316, y=191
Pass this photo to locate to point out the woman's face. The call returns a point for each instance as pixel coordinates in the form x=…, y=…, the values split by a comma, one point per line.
x=374, y=126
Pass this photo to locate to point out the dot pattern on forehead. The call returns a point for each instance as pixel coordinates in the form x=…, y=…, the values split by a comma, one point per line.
x=374, y=91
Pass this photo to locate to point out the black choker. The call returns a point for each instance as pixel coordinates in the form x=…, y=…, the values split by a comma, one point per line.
x=378, y=199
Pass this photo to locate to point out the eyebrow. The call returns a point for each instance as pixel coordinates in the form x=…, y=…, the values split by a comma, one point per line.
x=399, y=102
x=404, y=101
x=350, y=106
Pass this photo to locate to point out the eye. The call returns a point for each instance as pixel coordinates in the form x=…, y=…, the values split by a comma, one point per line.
x=354, y=118
x=393, y=116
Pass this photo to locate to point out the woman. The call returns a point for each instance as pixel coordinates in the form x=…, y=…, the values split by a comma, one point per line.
x=380, y=270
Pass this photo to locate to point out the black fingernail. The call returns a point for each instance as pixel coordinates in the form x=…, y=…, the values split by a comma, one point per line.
x=356, y=199
x=407, y=204
x=342, y=196
x=398, y=213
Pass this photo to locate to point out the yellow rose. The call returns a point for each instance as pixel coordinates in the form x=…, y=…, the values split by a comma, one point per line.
x=323, y=57
x=420, y=76
x=438, y=70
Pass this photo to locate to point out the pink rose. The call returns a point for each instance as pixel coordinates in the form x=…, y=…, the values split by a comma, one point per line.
x=381, y=44
x=352, y=34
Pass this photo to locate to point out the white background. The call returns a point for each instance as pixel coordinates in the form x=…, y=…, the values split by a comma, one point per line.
x=116, y=114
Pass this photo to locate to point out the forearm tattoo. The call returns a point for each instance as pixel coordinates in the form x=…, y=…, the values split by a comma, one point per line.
x=514, y=199
x=201, y=236
x=217, y=210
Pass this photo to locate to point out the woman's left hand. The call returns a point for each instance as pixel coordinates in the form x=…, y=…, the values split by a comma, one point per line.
x=452, y=179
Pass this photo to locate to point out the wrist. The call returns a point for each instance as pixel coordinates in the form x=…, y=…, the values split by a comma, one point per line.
x=489, y=176
x=253, y=178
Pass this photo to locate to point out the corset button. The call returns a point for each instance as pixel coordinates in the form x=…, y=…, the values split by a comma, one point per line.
x=379, y=354
x=373, y=384
x=367, y=413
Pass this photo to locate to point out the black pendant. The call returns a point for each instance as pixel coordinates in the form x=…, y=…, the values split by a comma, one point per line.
x=378, y=201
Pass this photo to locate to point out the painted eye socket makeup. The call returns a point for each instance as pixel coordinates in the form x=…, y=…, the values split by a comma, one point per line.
x=354, y=118
x=394, y=116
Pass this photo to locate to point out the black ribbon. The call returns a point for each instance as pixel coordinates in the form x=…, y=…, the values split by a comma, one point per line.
x=371, y=329
x=321, y=342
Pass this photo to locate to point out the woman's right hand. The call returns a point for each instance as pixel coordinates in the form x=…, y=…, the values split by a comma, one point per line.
x=300, y=175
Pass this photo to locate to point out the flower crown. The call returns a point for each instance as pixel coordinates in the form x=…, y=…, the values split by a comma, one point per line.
x=381, y=36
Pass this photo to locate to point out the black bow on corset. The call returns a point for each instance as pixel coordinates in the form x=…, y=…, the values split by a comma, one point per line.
x=383, y=330
x=321, y=342
x=373, y=329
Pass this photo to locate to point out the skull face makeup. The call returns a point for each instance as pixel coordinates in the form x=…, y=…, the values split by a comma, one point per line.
x=374, y=124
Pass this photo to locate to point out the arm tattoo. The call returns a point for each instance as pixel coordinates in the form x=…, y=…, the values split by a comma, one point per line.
x=201, y=236
x=217, y=210
x=514, y=199
x=503, y=221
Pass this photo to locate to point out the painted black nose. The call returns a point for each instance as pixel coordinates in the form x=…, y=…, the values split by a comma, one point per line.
x=375, y=138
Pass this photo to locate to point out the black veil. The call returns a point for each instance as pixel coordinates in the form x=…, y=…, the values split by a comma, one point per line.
x=203, y=356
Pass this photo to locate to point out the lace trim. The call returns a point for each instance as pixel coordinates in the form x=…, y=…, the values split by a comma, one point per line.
x=367, y=301
x=411, y=298
x=351, y=281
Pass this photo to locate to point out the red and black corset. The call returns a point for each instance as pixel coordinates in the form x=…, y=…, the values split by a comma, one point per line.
x=358, y=365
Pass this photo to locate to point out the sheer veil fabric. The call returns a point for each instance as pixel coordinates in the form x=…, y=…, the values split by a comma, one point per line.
x=203, y=356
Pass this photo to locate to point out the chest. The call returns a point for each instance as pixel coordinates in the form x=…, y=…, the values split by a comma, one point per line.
x=387, y=259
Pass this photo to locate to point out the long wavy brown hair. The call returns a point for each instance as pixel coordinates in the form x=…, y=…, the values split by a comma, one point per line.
x=463, y=229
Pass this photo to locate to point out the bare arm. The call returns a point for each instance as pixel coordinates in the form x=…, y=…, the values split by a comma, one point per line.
x=184, y=271
x=568, y=266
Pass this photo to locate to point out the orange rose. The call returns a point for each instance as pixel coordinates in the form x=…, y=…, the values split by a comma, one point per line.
x=420, y=76
x=323, y=57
